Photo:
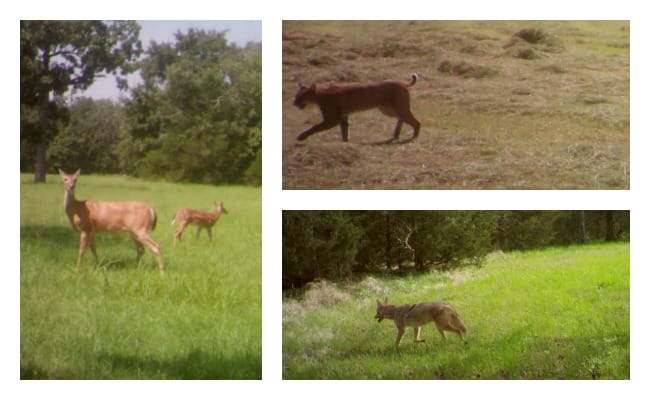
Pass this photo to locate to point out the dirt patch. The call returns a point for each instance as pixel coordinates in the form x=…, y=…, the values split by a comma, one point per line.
x=317, y=294
x=327, y=156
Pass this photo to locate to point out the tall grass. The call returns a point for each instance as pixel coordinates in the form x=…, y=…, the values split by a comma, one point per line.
x=116, y=320
x=554, y=314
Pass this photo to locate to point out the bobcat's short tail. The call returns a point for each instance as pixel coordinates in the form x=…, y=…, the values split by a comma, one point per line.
x=414, y=78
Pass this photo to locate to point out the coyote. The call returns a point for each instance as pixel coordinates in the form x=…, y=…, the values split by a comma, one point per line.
x=417, y=315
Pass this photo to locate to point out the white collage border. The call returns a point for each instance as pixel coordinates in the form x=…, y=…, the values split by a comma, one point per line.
x=275, y=200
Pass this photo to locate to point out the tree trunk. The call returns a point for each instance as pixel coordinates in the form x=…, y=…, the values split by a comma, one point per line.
x=43, y=125
x=610, y=235
x=582, y=229
x=41, y=168
x=387, y=239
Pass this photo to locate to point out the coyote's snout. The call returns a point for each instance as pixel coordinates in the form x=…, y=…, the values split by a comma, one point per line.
x=417, y=315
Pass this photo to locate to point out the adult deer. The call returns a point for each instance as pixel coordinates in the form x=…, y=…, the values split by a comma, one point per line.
x=202, y=219
x=90, y=216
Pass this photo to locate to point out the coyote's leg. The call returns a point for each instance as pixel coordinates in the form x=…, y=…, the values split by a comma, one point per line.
x=442, y=333
x=416, y=331
x=400, y=333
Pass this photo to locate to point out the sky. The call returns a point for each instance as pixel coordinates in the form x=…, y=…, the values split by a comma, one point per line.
x=238, y=32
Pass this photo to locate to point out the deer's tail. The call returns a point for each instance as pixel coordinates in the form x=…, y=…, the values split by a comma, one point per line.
x=154, y=219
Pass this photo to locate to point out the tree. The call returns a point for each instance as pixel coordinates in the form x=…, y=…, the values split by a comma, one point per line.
x=56, y=56
x=90, y=139
x=317, y=244
x=197, y=116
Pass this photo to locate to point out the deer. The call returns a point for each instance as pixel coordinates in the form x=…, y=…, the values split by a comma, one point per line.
x=202, y=219
x=91, y=216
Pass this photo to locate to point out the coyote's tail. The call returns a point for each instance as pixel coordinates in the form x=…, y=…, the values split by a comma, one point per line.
x=458, y=322
x=414, y=78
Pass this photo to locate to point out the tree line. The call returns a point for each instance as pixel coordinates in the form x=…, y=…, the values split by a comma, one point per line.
x=342, y=244
x=195, y=117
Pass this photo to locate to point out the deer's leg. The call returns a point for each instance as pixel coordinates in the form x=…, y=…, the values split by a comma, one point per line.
x=147, y=241
x=198, y=230
x=83, y=242
x=91, y=243
x=138, y=249
x=209, y=229
x=179, y=231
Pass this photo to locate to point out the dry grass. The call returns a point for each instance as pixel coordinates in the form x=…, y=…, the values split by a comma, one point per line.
x=503, y=105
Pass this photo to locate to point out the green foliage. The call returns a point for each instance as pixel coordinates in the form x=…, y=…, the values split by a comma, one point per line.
x=317, y=244
x=116, y=320
x=524, y=229
x=558, y=313
x=56, y=56
x=90, y=139
x=198, y=115
x=398, y=241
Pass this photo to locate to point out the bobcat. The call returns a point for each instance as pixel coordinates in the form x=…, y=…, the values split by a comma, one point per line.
x=337, y=102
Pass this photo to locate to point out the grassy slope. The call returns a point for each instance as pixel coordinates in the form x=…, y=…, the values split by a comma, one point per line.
x=559, y=120
x=553, y=314
x=201, y=320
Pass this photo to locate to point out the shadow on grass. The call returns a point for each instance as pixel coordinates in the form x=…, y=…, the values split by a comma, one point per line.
x=391, y=141
x=63, y=238
x=46, y=235
x=520, y=355
x=196, y=364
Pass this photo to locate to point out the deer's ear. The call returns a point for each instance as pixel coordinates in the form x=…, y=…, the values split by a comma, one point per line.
x=76, y=174
x=61, y=173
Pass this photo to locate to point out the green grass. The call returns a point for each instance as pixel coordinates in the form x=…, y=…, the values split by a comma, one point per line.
x=561, y=313
x=116, y=320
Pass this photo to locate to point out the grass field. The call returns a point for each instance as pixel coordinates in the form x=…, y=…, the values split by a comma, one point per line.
x=503, y=104
x=560, y=313
x=116, y=320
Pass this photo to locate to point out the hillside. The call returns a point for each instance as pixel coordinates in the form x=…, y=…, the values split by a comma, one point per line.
x=503, y=104
x=560, y=313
